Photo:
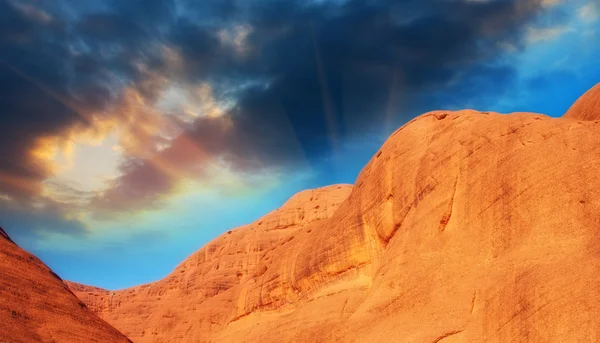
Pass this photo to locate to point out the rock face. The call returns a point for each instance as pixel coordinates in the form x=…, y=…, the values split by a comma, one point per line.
x=464, y=227
x=36, y=306
x=587, y=107
x=202, y=295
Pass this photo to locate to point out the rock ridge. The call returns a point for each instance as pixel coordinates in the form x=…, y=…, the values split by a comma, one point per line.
x=37, y=306
x=465, y=226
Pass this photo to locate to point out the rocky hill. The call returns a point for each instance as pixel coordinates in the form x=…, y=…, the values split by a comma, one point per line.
x=587, y=107
x=465, y=227
x=201, y=291
x=36, y=306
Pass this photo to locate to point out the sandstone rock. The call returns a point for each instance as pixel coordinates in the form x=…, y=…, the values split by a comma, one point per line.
x=198, y=297
x=77, y=287
x=36, y=306
x=587, y=107
x=465, y=227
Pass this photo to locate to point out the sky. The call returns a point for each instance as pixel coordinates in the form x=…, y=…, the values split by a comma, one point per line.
x=133, y=132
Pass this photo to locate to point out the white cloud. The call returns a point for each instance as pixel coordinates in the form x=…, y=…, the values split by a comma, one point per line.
x=550, y=3
x=536, y=34
x=32, y=12
x=236, y=37
x=588, y=12
x=506, y=46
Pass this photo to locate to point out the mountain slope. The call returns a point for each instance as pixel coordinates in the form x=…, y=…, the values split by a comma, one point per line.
x=465, y=227
x=198, y=297
x=36, y=306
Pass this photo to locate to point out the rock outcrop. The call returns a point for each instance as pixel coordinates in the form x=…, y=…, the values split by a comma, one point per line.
x=465, y=227
x=36, y=306
x=587, y=107
x=202, y=295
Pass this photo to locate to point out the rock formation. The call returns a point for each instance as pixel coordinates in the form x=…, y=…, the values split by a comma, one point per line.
x=36, y=306
x=201, y=291
x=465, y=227
x=587, y=107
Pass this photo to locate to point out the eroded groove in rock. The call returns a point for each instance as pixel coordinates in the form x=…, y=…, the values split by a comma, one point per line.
x=446, y=218
x=446, y=335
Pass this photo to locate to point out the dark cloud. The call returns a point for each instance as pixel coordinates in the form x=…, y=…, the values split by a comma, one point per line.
x=59, y=73
x=332, y=64
x=307, y=76
x=32, y=89
x=141, y=186
x=25, y=225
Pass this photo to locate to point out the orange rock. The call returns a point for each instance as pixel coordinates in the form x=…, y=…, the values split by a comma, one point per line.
x=36, y=306
x=198, y=297
x=587, y=107
x=465, y=227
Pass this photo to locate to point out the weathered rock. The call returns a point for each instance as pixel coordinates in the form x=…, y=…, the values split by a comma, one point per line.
x=464, y=227
x=36, y=306
x=587, y=107
x=197, y=299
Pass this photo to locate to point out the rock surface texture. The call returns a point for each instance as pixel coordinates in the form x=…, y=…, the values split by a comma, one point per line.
x=36, y=306
x=465, y=227
x=587, y=107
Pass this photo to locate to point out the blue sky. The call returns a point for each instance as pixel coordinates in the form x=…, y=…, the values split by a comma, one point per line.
x=135, y=132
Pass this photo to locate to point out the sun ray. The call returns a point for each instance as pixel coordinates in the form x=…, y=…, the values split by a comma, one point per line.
x=61, y=99
x=328, y=105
